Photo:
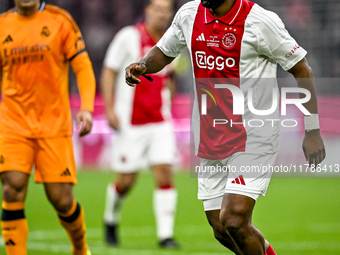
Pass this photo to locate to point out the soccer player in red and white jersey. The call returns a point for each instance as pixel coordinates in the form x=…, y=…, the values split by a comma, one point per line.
x=141, y=119
x=238, y=42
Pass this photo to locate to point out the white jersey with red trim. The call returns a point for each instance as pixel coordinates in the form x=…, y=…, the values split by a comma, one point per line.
x=240, y=49
x=148, y=102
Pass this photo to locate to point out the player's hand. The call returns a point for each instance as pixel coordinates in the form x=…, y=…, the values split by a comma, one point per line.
x=133, y=72
x=84, y=122
x=112, y=119
x=313, y=147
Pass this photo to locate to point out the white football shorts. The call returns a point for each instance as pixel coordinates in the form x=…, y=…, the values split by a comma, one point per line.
x=242, y=173
x=139, y=146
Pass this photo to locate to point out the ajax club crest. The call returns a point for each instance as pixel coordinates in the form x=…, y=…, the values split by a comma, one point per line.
x=229, y=40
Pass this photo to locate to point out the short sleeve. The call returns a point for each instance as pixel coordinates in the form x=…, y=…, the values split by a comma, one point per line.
x=117, y=51
x=74, y=43
x=173, y=41
x=275, y=41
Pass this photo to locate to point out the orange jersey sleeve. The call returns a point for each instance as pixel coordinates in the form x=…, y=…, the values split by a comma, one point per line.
x=74, y=48
x=82, y=67
x=35, y=53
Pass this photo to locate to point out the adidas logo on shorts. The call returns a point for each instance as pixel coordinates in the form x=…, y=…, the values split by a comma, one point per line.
x=239, y=180
x=66, y=173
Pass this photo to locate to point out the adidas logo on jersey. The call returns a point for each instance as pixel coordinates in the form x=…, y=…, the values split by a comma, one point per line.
x=10, y=242
x=239, y=180
x=66, y=173
x=8, y=39
x=201, y=38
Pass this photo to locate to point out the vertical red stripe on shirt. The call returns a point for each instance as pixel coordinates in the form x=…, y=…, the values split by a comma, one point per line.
x=147, y=102
x=216, y=51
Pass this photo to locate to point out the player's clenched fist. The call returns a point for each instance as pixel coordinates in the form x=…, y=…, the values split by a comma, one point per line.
x=84, y=122
x=313, y=147
x=112, y=119
x=133, y=72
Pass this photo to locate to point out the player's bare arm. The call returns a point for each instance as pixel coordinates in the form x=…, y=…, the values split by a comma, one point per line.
x=152, y=62
x=312, y=146
x=107, y=85
x=171, y=84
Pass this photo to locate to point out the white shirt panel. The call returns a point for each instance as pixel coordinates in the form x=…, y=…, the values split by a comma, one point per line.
x=123, y=50
x=274, y=40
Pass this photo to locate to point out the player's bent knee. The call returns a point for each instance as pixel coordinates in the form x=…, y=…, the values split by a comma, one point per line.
x=125, y=182
x=13, y=192
x=125, y=189
x=9, y=193
x=14, y=185
x=125, y=186
x=233, y=222
x=62, y=204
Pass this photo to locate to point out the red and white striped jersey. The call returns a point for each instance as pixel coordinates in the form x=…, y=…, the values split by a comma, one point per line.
x=241, y=49
x=148, y=102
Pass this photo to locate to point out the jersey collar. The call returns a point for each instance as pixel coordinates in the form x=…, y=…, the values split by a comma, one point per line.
x=229, y=18
x=42, y=6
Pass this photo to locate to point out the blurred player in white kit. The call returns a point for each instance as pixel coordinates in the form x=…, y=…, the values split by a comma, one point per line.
x=141, y=119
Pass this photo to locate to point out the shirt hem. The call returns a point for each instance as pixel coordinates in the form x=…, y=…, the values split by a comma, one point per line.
x=36, y=136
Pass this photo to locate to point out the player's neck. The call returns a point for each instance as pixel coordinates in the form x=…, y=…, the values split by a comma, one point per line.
x=27, y=11
x=223, y=9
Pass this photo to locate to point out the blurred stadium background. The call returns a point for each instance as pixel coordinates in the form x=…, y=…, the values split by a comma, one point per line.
x=299, y=216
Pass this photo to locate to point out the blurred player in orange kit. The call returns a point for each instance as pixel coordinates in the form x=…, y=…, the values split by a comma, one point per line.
x=37, y=43
x=141, y=118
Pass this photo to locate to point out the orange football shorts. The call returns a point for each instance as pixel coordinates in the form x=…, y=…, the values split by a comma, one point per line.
x=52, y=157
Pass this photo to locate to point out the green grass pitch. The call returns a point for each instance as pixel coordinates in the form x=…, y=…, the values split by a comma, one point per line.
x=298, y=216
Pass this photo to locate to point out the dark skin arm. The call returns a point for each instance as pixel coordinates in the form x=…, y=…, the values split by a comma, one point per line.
x=312, y=145
x=155, y=61
x=108, y=83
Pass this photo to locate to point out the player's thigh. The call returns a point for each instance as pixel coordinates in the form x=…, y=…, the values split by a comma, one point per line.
x=162, y=147
x=129, y=147
x=55, y=161
x=247, y=176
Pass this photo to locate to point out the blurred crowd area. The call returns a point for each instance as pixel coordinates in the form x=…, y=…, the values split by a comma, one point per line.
x=315, y=24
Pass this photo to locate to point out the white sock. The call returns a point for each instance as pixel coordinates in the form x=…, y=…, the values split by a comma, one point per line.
x=112, y=205
x=164, y=203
